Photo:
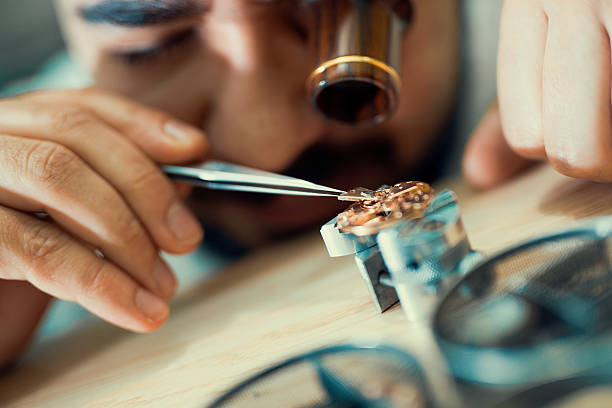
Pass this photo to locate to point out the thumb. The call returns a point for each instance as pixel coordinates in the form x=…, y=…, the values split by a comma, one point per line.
x=488, y=160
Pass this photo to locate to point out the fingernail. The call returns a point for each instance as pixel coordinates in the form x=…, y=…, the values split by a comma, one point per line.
x=178, y=131
x=155, y=308
x=183, y=224
x=166, y=282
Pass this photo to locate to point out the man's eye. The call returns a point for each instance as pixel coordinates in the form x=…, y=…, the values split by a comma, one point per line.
x=157, y=52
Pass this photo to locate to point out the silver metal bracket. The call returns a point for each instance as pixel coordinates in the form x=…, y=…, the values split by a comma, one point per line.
x=373, y=271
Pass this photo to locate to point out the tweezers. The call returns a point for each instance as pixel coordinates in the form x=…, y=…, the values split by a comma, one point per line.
x=219, y=175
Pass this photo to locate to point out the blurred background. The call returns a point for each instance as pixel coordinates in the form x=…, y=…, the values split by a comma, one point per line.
x=29, y=35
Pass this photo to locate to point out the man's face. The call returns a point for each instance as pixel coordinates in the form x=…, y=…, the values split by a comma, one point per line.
x=237, y=69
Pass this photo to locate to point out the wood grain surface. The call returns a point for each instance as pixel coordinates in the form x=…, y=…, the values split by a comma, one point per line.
x=281, y=301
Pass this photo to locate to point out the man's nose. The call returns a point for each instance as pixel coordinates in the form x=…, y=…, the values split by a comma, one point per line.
x=261, y=116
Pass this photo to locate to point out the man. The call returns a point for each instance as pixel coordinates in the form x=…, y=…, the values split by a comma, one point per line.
x=181, y=80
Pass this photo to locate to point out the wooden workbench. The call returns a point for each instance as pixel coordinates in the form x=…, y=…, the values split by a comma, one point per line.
x=281, y=301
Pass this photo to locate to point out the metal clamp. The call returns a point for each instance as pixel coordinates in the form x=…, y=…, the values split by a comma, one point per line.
x=413, y=261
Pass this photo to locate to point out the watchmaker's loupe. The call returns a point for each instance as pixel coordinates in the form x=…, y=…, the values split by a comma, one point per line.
x=356, y=45
x=536, y=311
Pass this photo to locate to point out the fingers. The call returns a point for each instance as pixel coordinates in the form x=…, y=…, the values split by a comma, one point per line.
x=554, y=85
x=44, y=176
x=520, y=61
x=140, y=182
x=59, y=265
x=576, y=94
x=164, y=139
x=83, y=158
x=488, y=160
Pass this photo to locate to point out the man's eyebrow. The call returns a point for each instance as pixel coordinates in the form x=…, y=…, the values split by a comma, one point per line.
x=136, y=13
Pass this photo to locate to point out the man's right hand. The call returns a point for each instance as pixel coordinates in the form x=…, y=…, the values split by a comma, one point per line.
x=87, y=158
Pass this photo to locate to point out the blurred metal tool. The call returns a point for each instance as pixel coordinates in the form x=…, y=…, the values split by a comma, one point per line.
x=218, y=175
x=342, y=376
x=536, y=311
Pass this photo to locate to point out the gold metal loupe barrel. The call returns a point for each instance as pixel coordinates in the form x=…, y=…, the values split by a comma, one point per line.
x=357, y=46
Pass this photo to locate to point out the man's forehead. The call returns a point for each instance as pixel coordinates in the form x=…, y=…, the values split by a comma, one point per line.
x=136, y=13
